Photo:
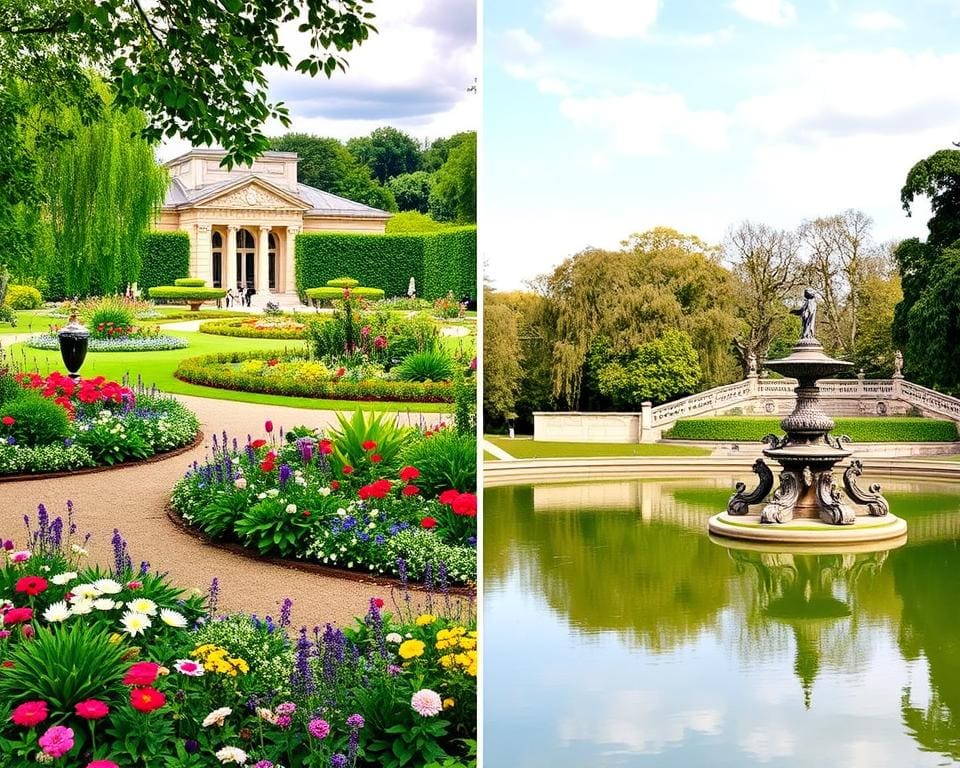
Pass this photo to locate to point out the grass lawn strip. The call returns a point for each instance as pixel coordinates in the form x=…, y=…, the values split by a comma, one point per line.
x=528, y=448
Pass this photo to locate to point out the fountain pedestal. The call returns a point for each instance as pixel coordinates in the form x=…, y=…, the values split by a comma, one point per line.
x=808, y=506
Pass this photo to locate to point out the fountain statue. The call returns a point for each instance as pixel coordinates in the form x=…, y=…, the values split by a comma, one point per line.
x=807, y=453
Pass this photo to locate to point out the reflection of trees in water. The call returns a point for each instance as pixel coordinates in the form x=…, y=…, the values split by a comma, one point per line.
x=927, y=578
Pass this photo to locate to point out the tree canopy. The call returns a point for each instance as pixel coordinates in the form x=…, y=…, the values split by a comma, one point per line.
x=387, y=152
x=197, y=68
x=454, y=193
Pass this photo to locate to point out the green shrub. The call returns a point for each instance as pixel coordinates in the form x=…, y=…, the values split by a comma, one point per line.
x=438, y=261
x=7, y=315
x=429, y=365
x=326, y=336
x=343, y=282
x=190, y=282
x=186, y=295
x=9, y=388
x=37, y=420
x=445, y=460
x=110, y=312
x=23, y=297
x=165, y=256
x=894, y=429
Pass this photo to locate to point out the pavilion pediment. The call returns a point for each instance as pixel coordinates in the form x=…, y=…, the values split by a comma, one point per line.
x=253, y=195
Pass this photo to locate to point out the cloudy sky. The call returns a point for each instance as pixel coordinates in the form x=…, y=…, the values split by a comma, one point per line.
x=611, y=117
x=413, y=75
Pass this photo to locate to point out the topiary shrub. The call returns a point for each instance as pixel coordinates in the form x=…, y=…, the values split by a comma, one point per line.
x=31, y=419
x=428, y=365
x=343, y=282
x=165, y=256
x=23, y=297
x=446, y=460
x=184, y=295
x=892, y=429
x=190, y=282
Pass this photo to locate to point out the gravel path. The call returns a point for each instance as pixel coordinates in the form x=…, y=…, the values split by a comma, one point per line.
x=134, y=500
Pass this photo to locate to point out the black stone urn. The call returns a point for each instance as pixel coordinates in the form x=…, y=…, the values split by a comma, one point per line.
x=74, y=338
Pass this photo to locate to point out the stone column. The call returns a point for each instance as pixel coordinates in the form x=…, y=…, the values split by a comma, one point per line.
x=289, y=261
x=263, y=262
x=202, y=262
x=231, y=270
x=646, y=422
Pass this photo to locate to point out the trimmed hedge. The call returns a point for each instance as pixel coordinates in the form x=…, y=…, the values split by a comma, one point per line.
x=438, y=261
x=329, y=293
x=894, y=429
x=241, y=329
x=190, y=282
x=23, y=297
x=207, y=370
x=165, y=257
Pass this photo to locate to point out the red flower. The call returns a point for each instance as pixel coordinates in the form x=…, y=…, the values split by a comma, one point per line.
x=378, y=602
x=268, y=425
x=32, y=585
x=306, y=513
x=465, y=505
x=334, y=485
x=17, y=615
x=376, y=458
x=30, y=713
x=267, y=464
x=409, y=473
x=258, y=444
x=134, y=585
x=410, y=490
x=428, y=522
x=340, y=373
x=147, y=699
x=447, y=497
x=376, y=490
x=272, y=361
x=142, y=673
x=326, y=447
x=347, y=469
x=92, y=709
x=368, y=445
x=8, y=421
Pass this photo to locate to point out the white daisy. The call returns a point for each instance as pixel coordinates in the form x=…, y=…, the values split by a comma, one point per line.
x=57, y=612
x=108, y=586
x=81, y=607
x=142, y=605
x=64, y=578
x=87, y=591
x=217, y=717
x=135, y=623
x=104, y=604
x=232, y=755
x=172, y=618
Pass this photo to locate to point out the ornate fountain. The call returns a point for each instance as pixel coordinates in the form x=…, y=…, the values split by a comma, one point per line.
x=808, y=506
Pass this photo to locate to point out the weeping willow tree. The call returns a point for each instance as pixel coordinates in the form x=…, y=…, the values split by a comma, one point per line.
x=103, y=188
x=605, y=305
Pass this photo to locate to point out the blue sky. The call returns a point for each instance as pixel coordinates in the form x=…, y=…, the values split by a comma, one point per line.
x=610, y=117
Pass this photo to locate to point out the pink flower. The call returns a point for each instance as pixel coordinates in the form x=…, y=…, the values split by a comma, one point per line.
x=92, y=709
x=30, y=713
x=20, y=557
x=102, y=764
x=426, y=703
x=318, y=728
x=268, y=425
x=57, y=741
x=189, y=668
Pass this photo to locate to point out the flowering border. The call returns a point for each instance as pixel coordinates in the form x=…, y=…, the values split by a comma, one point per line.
x=158, y=456
x=302, y=565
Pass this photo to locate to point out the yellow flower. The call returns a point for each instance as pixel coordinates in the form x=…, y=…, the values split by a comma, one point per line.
x=425, y=618
x=411, y=649
x=468, y=643
x=115, y=638
x=447, y=661
x=448, y=703
x=443, y=634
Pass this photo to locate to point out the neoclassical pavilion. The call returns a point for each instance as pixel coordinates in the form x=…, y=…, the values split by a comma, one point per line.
x=243, y=222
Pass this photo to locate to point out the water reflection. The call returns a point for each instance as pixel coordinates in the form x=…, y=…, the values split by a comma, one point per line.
x=653, y=641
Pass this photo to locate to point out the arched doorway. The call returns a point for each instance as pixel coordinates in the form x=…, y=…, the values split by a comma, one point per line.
x=216, y=243
x=272, y=261
x=246, y=258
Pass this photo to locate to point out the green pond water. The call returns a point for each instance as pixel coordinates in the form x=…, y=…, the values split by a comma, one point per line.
x=617, y=633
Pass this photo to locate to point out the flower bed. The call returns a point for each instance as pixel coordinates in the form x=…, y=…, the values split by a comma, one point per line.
x=56, y=425
x=256, y=328
x=121, y=668
x=152, y=341
x=281, y=373
x=344, y=499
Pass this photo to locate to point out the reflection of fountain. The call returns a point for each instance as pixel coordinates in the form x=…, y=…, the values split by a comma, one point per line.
x=807, y=506
x=809, y=593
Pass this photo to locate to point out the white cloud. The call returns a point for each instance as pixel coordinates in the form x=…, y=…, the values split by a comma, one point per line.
x=617, y=19
x=877, y=21
x=522, y=42
x=646, y=121
x=776, y=13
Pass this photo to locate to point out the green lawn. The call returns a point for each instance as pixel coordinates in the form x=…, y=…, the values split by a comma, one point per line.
x=31, y=321
x=527, y=448
x=158, y=367
x=489, y=457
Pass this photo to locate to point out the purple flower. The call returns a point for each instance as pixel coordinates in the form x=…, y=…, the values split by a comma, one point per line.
x=355, y=721
x=285, y=610
x=285, y=474
x=263, y=764
x=338, y=761
x=306, y=450
x=318, y=728
x=11, y=441
x=192, y=746
x=393, y=670
x=302, y=676
x=283, y=721
x=286, y=708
